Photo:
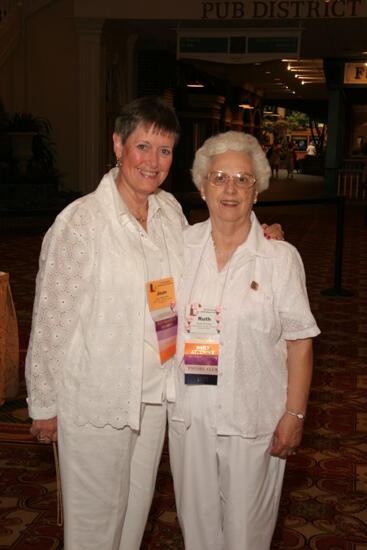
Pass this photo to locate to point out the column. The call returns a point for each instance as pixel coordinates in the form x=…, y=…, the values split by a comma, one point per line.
x=89, y=103
x=335, y=150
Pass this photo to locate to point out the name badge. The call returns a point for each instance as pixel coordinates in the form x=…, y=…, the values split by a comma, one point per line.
x=203, y=321
x=202, y=327
x=201, y=362
x=162, y=305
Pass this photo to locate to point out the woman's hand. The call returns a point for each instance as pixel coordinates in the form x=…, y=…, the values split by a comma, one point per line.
x=287, y=436
x=45, y=430
x=274, y=231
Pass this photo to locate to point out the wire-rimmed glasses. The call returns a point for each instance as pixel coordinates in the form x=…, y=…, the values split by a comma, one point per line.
x=218, y=178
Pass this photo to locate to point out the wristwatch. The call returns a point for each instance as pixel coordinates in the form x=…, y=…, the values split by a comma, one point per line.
x=299, y=415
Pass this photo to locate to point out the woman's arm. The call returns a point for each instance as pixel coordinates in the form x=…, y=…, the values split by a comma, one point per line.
x=288, y=433
x=62, y=277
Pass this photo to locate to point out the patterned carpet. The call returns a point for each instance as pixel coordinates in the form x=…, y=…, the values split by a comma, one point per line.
x=324, y=501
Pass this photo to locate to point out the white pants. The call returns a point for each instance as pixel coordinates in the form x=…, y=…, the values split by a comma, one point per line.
x=108, y=478
x=227, y=488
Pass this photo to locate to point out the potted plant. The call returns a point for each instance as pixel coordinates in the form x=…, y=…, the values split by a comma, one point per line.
x=30, y=139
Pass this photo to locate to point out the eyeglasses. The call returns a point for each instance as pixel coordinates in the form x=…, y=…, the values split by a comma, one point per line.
x=241, y=180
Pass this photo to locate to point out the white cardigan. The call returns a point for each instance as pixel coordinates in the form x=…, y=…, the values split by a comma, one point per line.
x=85, y=355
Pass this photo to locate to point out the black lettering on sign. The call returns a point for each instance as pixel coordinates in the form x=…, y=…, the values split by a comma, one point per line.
x=280, y=9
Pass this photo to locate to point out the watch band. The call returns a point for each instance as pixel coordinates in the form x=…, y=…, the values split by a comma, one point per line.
x=299, y=415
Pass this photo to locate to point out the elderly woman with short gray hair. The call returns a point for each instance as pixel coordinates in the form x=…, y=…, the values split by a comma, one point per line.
x=244, y=357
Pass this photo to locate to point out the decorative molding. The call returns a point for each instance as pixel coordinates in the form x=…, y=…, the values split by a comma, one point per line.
x=88, y=25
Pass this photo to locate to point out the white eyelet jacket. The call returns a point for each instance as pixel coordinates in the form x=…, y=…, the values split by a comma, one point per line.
x=85, y=355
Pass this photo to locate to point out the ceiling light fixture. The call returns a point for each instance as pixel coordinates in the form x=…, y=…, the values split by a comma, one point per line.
x=195, y=84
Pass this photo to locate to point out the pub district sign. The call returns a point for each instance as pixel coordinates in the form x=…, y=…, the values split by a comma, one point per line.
x=283, y=9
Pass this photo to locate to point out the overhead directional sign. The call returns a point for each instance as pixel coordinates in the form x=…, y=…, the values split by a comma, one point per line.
x=275, y=44
x=231, y=46
x=203, y=44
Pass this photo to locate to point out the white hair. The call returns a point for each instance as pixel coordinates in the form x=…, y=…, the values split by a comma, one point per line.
x=231, y=141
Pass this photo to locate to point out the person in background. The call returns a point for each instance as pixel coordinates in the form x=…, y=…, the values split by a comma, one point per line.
x=291, y=158
x=311, y=149
x=275, y=159
x=244, y=358
x=99, y=362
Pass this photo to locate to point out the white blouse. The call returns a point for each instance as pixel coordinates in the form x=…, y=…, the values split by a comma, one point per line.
x=263, y=294
x=86, y=349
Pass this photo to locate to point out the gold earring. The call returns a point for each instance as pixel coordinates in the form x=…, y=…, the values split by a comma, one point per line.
x=203, y=197
x=118, y=162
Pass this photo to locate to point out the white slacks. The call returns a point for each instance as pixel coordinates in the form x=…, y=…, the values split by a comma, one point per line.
x=108, y=478
x=227, y=488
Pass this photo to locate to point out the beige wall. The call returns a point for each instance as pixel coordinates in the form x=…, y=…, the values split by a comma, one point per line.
x=51, y=79
x=12, y=80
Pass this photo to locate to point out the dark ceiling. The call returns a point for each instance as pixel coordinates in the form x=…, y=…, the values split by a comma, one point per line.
x=344, y=39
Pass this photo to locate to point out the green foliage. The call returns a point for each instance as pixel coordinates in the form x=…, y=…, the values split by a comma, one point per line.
x=297, y=121
x=44, y=152
x=26, y=122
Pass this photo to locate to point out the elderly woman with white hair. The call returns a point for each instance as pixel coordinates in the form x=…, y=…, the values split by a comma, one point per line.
x=244, y=357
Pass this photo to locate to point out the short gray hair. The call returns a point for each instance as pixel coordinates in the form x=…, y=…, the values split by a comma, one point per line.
x=148, y=111
x=231, y=141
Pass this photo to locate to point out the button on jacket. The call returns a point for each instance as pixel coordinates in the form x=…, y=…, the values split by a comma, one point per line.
x=85, y=356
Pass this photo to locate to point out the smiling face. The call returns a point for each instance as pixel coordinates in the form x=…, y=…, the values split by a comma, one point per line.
x=230, y=203
x=145, y=158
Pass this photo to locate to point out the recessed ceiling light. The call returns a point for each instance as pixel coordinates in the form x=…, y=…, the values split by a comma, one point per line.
x=195, y=85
